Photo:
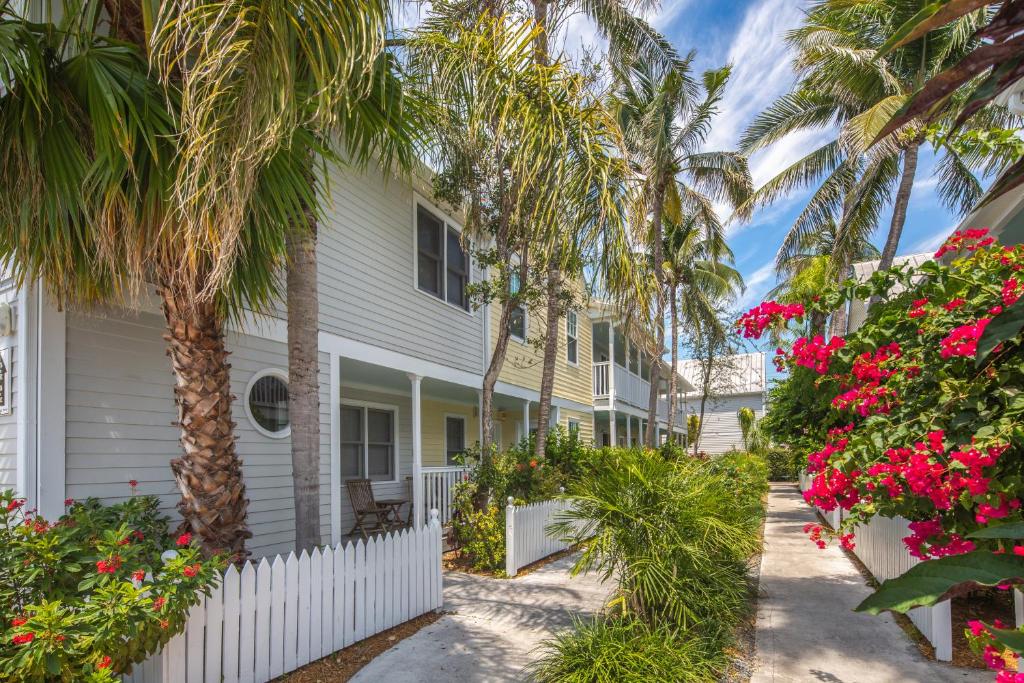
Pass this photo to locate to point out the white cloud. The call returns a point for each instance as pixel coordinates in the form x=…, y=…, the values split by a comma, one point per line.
x=931, y=242
x=758, y=283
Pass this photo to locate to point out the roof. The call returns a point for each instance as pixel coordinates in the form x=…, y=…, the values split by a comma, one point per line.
x=744, y=374
x=865, y=269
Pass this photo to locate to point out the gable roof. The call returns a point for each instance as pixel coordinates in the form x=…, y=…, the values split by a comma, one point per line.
x=744, y=374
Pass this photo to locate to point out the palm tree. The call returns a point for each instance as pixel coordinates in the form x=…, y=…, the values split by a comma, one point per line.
x=699, y=279
x=843, y=85
x=337, y=85
x=665, y=123
x=90, y=163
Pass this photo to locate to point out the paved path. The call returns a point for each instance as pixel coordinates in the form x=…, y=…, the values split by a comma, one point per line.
x=806, y=629
x=492, y=627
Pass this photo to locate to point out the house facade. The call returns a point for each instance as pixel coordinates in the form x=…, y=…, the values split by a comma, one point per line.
x=740, y=383
x=88, y=403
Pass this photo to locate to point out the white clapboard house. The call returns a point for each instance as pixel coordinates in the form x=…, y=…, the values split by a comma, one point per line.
x=740, y=383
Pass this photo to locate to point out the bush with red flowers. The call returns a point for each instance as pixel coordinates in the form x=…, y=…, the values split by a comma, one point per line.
x=98, y=590
x=919, y=412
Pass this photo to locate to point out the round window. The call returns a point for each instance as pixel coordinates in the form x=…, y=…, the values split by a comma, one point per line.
x=267, y=403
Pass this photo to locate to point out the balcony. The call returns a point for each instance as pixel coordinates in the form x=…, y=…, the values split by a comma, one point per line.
x=618, y=387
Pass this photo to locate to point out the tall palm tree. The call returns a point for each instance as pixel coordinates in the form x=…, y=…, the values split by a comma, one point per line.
x=842, y=86
x=335, y=86
x=699, y=279
x=90, y=163
x=665, y=121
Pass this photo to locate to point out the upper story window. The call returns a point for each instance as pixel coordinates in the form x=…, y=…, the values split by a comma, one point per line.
x=454, y=438
x=442, y=264
x=572, y=341
x=517, y=322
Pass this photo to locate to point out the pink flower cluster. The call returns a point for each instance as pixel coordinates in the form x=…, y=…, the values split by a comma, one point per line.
x=754, y=321
x=963, y=340
x=1011, y=291
x=832, y=488
x=917, y=309
x=928, y=539
x=992, y=652
x=815, y=353
x=868, y=367
x=817, y=461
x=868, y=399
x=814, y=532
x=970, y=239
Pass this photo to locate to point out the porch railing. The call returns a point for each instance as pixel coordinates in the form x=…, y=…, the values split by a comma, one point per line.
x=602, y=388
x=438, y=489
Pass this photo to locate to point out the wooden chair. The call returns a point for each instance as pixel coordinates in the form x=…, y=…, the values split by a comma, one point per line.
x=370, y=516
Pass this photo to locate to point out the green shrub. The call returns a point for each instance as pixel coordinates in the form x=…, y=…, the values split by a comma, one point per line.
x=87, y=597
x=480, y=534
x=615, y=650
x=782, y=464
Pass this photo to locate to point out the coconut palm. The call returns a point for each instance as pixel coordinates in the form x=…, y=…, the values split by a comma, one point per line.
x=336, y=84
x=699, y=278
x=665, y=120
x=842, y=86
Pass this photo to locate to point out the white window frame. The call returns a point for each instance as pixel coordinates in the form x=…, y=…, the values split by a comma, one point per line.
x=465, y=434
x=363, y=405
x=526, y=318
x=574, y=337
x=417, y=202
x=569, y=423
x=267, y=372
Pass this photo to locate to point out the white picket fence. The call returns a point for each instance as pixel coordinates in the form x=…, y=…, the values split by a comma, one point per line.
x=879, y=545
x=526, y=537
x=271, y=618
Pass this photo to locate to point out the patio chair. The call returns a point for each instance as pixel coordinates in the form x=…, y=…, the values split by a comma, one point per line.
x=371, y=517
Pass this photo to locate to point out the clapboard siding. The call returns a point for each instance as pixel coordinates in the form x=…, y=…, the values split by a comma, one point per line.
x=365, y=267
x=721, y=431
x=9, y=423
x=120, y=409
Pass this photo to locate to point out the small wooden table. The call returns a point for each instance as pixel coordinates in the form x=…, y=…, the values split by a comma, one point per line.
x=394, y=510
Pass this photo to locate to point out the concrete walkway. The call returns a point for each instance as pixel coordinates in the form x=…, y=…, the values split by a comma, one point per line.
x=491, y=627
x=806, y=627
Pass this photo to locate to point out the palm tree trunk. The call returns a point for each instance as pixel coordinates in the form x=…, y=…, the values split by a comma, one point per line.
x=659, y=306
x=547, y=378
x=304, y=381
x=899, y=207
x=837, y=326
x=672, y=388
x=213, y=504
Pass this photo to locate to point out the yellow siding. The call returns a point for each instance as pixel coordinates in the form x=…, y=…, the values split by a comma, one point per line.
x=524, y=363
x=433, y=417
x=586, y=421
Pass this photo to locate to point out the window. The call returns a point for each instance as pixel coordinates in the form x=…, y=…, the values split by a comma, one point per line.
x=574, y=427
x=620, y=347
x=442, y=264
x=634, y=359
x=517, y=321
x=368, y=443
x=571, y=338
x=266, y=402
x=454, y=438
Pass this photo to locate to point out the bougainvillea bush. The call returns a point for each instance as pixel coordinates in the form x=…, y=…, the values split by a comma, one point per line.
x=917, y=413
x=86, y=597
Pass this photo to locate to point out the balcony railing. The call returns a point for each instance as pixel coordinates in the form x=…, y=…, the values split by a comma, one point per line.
x=438, y=485
x=602, y=387
x=627, y=388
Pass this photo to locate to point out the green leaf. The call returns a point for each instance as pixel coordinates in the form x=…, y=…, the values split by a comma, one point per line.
x=1006, y=530
x=929, y=18
x=1005, y=326
x=1011, y=638
x=929, y=582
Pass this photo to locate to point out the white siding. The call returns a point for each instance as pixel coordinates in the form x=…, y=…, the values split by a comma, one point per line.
x=120, y=409
x=721, y=432
x=9, y=423
x=367, y=292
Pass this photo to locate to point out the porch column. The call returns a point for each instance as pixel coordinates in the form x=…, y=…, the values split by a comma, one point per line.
x=611, y=428
x=417, y=453
x=555, y=416
x=526, y=420
x=480, y=412
x=629, y=431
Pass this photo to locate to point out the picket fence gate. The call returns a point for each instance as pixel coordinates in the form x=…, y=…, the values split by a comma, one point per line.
x=271, y=618
x=879, y=545
x=526, y=536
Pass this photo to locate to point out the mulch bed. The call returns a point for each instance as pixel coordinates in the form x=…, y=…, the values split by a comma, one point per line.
x=344, y=664
x=455, y=561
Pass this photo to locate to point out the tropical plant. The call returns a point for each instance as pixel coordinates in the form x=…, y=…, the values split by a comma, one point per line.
x=665, y=122
x=843, y=86
x=332, y=82
x=746, y=418
x=105, y=193
x=88, y=596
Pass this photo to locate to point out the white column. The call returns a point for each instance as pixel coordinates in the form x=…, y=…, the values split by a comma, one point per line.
x=480, y=412
x=51, y=399
x=611, y=367
x=27, y=331
x=417, y=453
x=335, y=399
x=526, y=420
x=611, y=427
x=629, y=430
x=555, y=416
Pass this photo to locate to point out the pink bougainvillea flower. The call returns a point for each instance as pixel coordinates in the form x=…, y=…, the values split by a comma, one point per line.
x=963, y=340
x=754, y=321
x=970, y=239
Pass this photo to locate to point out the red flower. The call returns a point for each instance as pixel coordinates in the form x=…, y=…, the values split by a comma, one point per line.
x=133, y=483
x=139, y=575
x=104, y=663
x=184, y=539
x=15, y=504
x=1011, y=291
x=754, y=321
x=533, y=464
x=963, y=340
x=970, y=239
x=191, y=570
x=23, y=638
x=954, y=304
x=109, y=566
x=68, y=502
x=158, y=604
x=19, y=621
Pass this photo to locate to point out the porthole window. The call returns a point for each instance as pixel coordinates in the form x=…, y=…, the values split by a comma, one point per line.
x=266, y=402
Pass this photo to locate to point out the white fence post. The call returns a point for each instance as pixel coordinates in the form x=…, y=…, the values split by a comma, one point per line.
x=510, y=538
